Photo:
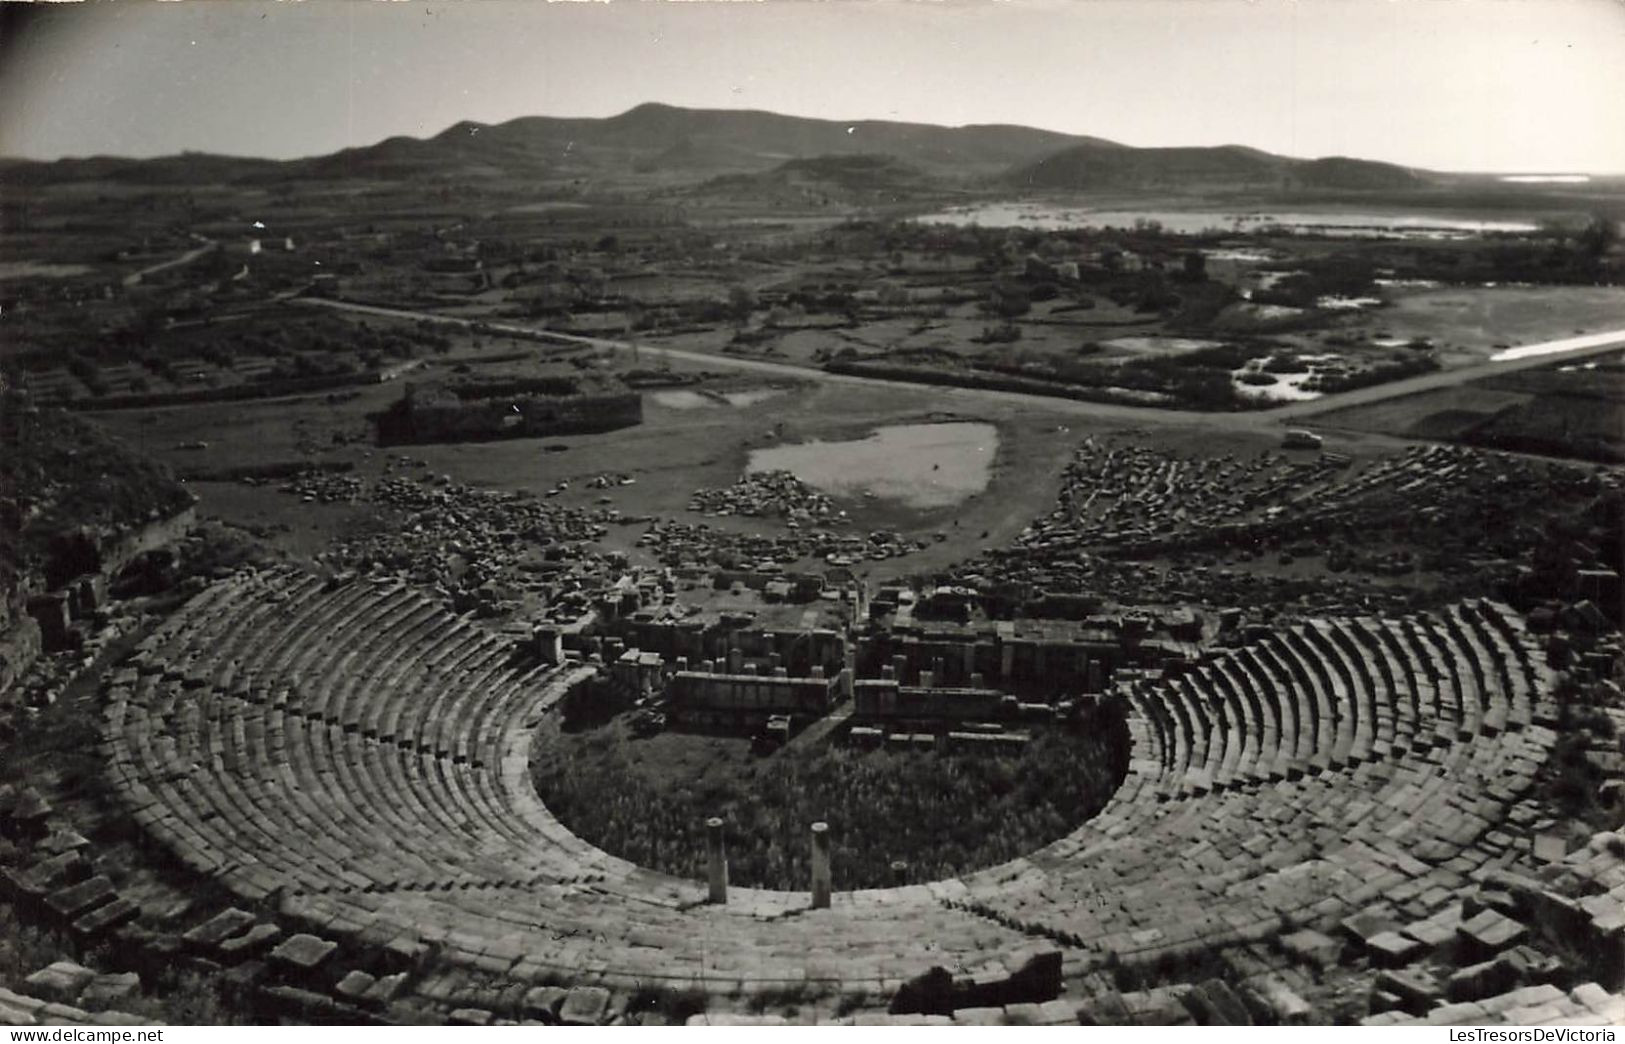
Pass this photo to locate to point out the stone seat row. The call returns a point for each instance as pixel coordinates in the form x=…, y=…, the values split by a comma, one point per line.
x=361, y=757
x=1149, y=876
x=1331, y=693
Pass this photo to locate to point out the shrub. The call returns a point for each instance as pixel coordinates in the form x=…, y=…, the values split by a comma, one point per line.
x=944, y=813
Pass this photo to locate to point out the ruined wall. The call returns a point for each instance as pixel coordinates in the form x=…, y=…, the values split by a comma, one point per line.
x=691, y=691
x=449, y=419
x=1009, y=662
x=885, y=698
x=21, y=637
x=119, y=550
x=798, y=651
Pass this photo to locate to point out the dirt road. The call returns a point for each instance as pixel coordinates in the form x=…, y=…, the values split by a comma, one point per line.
x=1251, y=420
x=135, y=278
x=1530, y=357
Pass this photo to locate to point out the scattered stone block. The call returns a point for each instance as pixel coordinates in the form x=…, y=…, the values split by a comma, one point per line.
x=1416, y=989
x=1368, y=923
x=1057, y=1013
x=469, y=1017
x=117, y=1018
x=301, y=1003
x=61, y=870
x=1311, y=947
x=64, y=840
x=1488, y=933
x=732, y=1019
x=77, y=900
x=979, y=1017
x=354, y=986
x=1385, y=1002
x=61, y=981
x=217, y=929
x=584, y=1006
x=386, y=989
x=107, y=918
x=303, y=954
x=543, y=1002
x=256, y=940
x=1476, y=981
x=1391, y=949
x=1431, y=934
x=109, y=991
x=1549, y=848
x=15, y=1015
x=63, y=1014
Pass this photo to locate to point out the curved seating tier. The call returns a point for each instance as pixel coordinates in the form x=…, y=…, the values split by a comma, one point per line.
x=358, y=758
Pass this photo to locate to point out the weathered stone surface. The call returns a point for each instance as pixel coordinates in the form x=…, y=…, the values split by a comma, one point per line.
x=1312, y=947
x=1391, y=949
x=303, y=953
x=61, y=981
x=543, y=1002
x=106, y=918
x=255, y=941
x=77, y=900
x=1416, y=988
x=109, y=991
x=584, y=1006
x=386, y=988
x=979, y=1017
x=217, y=929
x=1368, y=923
x=1488, y=933
x=355, y=985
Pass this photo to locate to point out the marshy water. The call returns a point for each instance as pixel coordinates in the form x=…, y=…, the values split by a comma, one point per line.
x=921, y=465
x=1049, y=217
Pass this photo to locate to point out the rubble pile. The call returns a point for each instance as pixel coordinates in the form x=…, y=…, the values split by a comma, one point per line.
x=322, y=487
x=1229, y=532
x=769, y=494
x=480, y=549
x=697, y=544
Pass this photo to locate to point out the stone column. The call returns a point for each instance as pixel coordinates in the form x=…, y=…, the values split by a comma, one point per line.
x=820, y=866
x=718, y=861
x=899, y=872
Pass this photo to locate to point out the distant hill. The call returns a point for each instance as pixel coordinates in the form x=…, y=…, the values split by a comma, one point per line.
x=1109, y=166
x=862, y=179
x=653, y=138
x=698, y=144
x=187, y=168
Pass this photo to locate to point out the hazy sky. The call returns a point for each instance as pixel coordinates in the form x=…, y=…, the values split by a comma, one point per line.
x=1508, y=85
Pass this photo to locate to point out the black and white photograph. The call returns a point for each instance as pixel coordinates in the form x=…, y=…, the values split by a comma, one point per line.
x=863, y=513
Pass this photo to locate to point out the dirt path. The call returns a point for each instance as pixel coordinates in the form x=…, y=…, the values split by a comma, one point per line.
x=135, y=278
x=1599, y=344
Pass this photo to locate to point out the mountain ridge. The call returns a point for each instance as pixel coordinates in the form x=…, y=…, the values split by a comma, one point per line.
x=655, y=138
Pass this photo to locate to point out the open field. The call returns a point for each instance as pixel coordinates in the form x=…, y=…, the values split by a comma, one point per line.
x=1566, y=409
x=1471, y=324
